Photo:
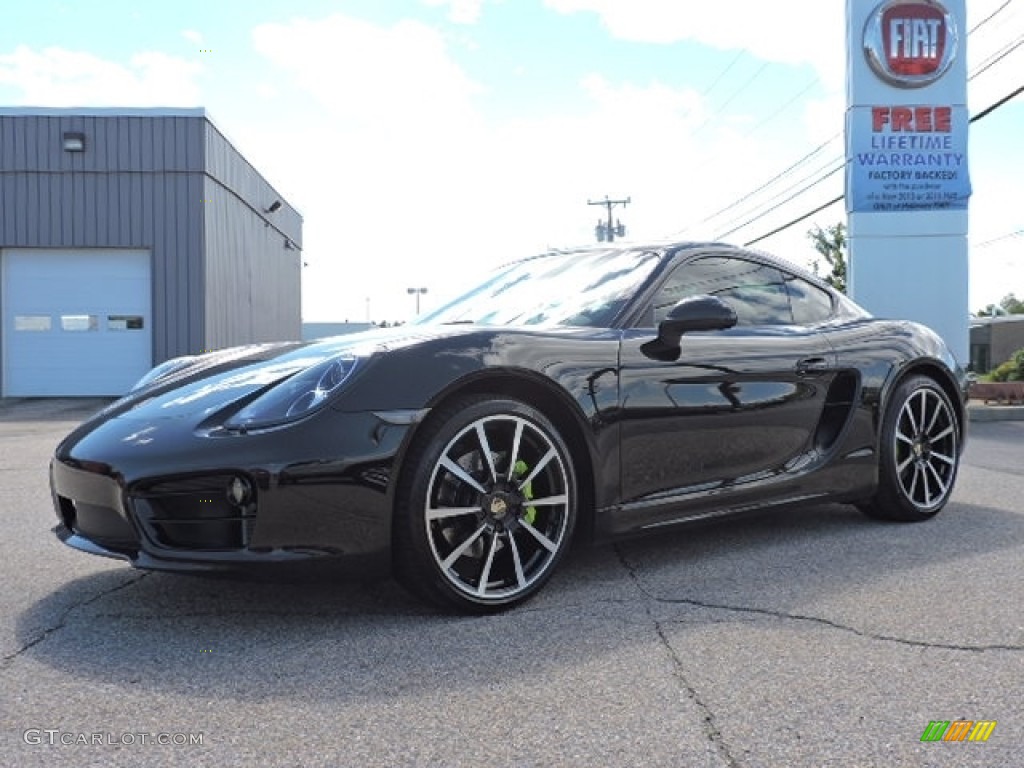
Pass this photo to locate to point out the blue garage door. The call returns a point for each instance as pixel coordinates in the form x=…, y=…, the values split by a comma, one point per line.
x=75, y=322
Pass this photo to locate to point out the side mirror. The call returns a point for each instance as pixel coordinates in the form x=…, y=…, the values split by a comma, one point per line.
x=695, y=313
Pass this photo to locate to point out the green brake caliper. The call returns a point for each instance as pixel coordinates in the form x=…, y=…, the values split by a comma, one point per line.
x=521, y=470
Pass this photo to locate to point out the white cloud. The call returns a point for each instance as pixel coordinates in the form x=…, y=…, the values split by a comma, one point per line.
x=377, y=134
x=812, y=33
x=266, y=91
x=391, y=78
x=57, y=77
x=824, y=118
x=405, y=181
x=391, y=160
x=460, y=11
x=815, y=35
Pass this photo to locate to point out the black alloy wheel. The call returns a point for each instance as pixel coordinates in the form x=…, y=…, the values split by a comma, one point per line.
x=488, y=507
x=919, y=453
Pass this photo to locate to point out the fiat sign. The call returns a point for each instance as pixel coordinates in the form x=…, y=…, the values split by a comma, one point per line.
x=910, y=43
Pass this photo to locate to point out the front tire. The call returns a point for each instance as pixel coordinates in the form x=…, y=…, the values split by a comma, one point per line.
x=486, y=506
x=919, y=453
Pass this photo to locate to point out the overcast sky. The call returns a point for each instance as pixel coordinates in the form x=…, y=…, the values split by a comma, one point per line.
x=425, y=141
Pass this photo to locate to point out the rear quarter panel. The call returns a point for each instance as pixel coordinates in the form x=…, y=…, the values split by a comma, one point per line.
x=883, y=352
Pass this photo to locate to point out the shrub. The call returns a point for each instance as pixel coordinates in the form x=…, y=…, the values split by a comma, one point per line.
x=1017, y=358
x=1011, y=370
x=1002, y=371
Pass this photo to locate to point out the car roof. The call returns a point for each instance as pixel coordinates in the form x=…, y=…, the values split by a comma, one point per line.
x=675, y=248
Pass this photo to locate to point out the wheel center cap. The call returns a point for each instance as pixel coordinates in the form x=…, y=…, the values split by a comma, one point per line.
x=921, y=448
x=498, y=507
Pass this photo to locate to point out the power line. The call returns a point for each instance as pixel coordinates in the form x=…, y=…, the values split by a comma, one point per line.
x=975, y=118
x=1007, y=236
x=791, y=197
x=991, y=61
x=763, y=185
x=755, y=213
x=834, y=170
x=993, y=107
x=997, y=57
x=807, y=215
x=742, y=88
x=721, y=107
x=709, y=160
x=984, y=113
x=722, y=74
x=780, y=110
x=989, y=18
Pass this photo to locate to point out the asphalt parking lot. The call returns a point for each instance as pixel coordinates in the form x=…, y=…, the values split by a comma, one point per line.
x=810, y=637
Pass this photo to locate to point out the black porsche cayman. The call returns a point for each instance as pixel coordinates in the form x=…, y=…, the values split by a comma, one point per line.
x=589, y=393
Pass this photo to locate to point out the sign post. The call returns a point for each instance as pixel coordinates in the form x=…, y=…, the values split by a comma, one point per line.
x=907, y=180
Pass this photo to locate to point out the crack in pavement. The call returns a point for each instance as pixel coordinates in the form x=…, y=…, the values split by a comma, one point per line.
x=10, y=658
x=711, y=729
x=809, y=619
x=843, y=627
x=709, y=722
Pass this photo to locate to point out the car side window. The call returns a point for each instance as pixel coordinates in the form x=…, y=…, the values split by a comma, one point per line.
x=756, y=292
x=811, y=305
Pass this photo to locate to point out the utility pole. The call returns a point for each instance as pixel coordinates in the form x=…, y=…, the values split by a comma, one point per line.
x=606, y=230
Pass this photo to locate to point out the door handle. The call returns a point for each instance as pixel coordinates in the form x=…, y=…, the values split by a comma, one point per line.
x=811, y=366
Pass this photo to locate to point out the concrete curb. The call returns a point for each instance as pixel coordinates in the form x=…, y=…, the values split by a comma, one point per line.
x=977, y=411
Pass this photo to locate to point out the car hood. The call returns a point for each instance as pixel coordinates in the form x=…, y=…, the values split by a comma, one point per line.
x=211, y=382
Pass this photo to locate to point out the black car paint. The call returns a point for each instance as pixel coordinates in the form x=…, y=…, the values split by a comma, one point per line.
x=732, y=425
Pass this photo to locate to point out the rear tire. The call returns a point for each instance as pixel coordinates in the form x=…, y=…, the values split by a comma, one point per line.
x=486, y=507
x=919, y=453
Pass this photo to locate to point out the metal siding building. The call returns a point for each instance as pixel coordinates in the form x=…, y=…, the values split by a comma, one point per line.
x=994, y=340
x=158, y=187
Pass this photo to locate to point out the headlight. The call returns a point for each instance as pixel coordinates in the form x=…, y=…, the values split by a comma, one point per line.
x=296, y=396
x=166, y=367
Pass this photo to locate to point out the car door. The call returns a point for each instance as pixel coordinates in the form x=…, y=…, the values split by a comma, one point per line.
x=738, y=406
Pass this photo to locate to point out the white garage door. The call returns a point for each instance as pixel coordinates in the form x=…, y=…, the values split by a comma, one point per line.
x=75, y=322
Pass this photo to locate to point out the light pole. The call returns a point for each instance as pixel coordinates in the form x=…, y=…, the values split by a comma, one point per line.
x=417, y=292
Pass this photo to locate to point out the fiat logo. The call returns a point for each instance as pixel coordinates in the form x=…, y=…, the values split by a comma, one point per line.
x=910, y=43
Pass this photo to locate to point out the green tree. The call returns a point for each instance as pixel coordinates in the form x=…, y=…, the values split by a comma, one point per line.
x=1012, y=304
x=831, y=244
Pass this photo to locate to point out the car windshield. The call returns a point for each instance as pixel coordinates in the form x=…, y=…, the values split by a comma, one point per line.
x=586, y=288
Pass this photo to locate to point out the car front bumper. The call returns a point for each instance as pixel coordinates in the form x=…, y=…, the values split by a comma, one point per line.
x=316, y=491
